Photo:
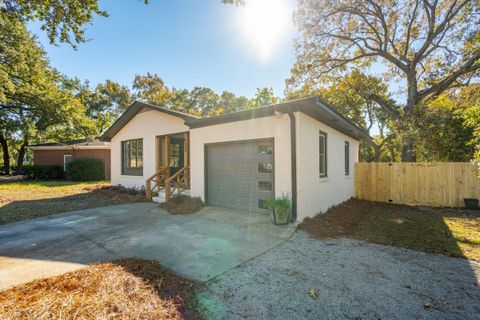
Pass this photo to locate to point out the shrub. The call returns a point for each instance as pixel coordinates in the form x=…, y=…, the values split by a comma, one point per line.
x=85, y=170
x=50, y=172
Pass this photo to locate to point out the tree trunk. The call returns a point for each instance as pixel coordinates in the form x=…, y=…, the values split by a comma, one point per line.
x=376, y=157
x=21, y=153
x=408, y=152
x=408, y=146
x=6, y=155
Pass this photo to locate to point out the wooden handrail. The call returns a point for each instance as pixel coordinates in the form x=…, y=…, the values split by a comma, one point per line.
x=182, y=182
x=157, y=178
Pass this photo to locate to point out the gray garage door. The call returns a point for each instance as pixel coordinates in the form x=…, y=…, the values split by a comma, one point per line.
x=240, y=175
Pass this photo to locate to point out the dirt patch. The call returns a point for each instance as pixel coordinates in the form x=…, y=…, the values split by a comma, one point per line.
x=339, y=221
x=121, y=195
x=124, y=289
x=25, y=199
x=183, y=205
x=453, y=232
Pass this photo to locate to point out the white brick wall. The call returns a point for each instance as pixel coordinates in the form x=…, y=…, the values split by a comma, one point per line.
x=147, y=125
x=277, y=127
x=315, y=194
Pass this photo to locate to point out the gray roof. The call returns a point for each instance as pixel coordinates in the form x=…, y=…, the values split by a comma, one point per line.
x=312, y=106
x=87, y=142
x=60, y=143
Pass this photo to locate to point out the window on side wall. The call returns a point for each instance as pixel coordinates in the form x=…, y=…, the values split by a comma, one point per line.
x=67, y=158
x=323, y=154
x=132, y=157
x=347, y=158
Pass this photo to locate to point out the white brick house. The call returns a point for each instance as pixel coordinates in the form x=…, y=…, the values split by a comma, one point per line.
x=301, y=148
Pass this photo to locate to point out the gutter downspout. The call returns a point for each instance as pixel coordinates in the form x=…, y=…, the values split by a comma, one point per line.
x=293, y=145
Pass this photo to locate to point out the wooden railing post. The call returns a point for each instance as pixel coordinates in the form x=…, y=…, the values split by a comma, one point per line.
x=148, y=190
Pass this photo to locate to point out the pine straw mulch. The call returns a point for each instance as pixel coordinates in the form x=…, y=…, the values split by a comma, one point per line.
x=339, y=221
x=182, y=204
x=123, y=289
x=117, y=194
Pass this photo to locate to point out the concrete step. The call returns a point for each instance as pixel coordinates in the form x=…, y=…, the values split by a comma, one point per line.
x=161, y=196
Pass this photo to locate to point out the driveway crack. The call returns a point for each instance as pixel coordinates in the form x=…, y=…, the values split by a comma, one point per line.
x=92, y=240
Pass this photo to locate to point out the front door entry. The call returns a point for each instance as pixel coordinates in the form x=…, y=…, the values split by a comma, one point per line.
x=176, y=154
x=172, y=153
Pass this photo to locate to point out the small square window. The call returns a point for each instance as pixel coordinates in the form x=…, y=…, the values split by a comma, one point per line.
x=265, y=149
x=262, y=204
x=265, y=167
x=264, y=186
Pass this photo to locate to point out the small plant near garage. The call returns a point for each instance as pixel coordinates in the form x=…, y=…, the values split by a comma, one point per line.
x=280, y=209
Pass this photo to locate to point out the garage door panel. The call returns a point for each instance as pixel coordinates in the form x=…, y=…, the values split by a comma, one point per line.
x=233, y=174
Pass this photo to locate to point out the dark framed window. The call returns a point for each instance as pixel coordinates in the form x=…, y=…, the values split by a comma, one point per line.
x=265, y=167
x=262, y=204
x=265, y=186
x=322, y=154
x=174, y=155
x=347, y=158
x=132, y=157
x=265, y=149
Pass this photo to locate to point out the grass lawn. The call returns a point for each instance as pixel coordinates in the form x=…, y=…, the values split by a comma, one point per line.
x=21, y=200
x=454, y=232
x=124, y=289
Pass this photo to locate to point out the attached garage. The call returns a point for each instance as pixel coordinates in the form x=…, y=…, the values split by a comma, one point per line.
x=240, y=174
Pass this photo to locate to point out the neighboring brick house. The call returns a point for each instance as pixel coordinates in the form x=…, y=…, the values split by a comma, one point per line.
x=61, y=153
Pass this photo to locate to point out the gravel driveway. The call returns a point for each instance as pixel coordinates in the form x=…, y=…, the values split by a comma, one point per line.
x=352, y=280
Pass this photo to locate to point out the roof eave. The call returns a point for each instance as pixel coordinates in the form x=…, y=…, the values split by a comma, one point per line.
x=132, y=111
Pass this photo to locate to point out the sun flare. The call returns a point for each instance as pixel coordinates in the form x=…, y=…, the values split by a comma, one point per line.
x=265, y=24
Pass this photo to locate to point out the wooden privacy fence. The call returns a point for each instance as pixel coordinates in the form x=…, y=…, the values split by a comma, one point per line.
x=443, y=184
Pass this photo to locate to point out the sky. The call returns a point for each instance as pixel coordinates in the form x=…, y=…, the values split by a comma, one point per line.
x=187, y=43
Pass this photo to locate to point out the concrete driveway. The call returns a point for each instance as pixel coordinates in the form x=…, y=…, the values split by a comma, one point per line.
x=199, y=246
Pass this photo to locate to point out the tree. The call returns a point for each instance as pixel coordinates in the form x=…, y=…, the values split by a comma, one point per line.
x=346, y=96
x=105, y=103
x=428, y=45
x=232, y=103
x=445, y=134
x=206, y=101
x=63, y=20
x=150, y=88
x=263, y=97
x=32, y=97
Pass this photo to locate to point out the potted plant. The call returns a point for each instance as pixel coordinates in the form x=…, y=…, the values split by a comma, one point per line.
x=280, y=208
x=471, y=203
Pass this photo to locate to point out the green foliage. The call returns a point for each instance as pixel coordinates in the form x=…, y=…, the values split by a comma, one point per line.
x=63, y=20
x=448, y=126
x=34, y=97
x=345, y=95
x=85, y=170
x=151, y=88
x=50, y=172
x=281, y=205
x=263, y=97
x=424, y=48
x=199, y=101
x=104, y=103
